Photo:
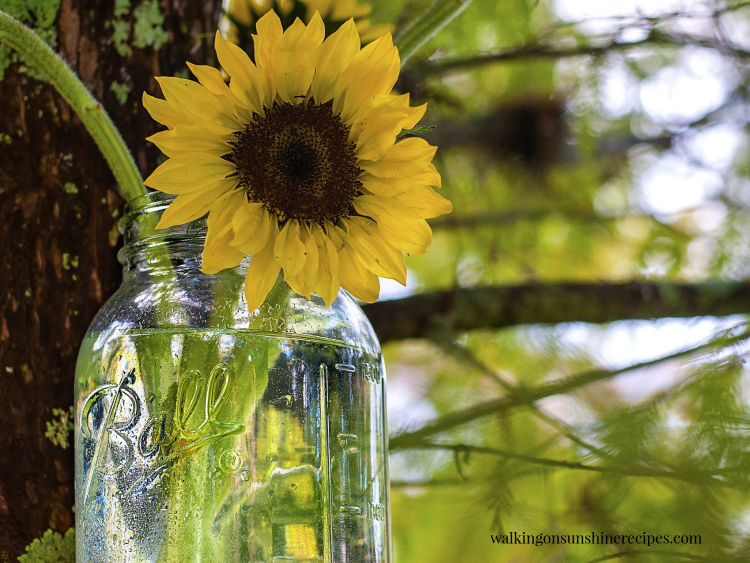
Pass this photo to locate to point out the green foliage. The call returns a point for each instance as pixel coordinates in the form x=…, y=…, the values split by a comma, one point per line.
x=547, y=175
x=51, y=548
x=120, y=37
x=40, y=15
x=44, y=12
x=59, y=429
x=148, y=30
x=122, y=7
x=121, y=91
x=676, y=462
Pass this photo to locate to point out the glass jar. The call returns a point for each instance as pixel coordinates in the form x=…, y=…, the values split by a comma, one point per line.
x=207, y=432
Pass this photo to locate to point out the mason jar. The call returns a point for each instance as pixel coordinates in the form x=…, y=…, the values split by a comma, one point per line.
x=209, y=433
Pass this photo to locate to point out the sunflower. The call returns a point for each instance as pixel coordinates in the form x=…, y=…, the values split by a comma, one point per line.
x=243, y=15
x=297, y=161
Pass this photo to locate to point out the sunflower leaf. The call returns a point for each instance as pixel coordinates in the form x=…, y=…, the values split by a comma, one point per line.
x=420, y=129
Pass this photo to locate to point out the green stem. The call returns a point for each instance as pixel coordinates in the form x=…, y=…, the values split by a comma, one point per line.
x=424, y=28
x=89, y=110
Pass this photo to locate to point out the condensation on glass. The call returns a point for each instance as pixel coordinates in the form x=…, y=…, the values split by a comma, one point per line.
x=208, y=433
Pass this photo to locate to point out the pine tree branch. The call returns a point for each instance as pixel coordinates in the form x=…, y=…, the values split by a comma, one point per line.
x=697, y=477
x=430, y=483
x=437, y=313
x=490, y=219
x=595, y=47
x=630, y=553
x=523, y=397
x=693, y=13
x=467, y=357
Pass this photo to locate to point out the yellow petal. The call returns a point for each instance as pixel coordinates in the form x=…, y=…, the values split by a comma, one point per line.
x=162, y=112
x=345, y=9
x=261, y=276
x=175, y=176
x=201, y=158
x=357, y=279
x=425, y=202
x=375, y=253
x=246, y=221
x=312, y=262
x=373, y=72
x=294, y=59
x=193, y=205
x=218, y=253
x=416, y=113
x=190, y=139
x=399, y=225
x=391, y=187
x=284, y=6
x=379, y=137
x=197, y=105
x=219, y=256
x=398, y=106
x=298, y=284
x=305, y=280
x=245, y=80
x=210, y=78
x=316, y=29
x=289, y=250
x=267, y=229
x=336, y=234
x=402, y=176
x=407, y=154
x=269, y=34
x=322, y=6
x=222, y=213
x=329, y=279
x=376, y=134
x=369, y=32
x=390, y=107
x=334, y=56
x=240, y=12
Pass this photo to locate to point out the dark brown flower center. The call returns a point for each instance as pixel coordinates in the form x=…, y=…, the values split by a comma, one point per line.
x=298, y=161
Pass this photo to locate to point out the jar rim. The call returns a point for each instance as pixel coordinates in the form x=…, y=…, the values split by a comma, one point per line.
x=138, y=225
x=150, y=202
x=150, y=207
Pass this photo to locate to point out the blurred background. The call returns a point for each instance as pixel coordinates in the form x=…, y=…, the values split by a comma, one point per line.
x=569, y=357
x=592, y=142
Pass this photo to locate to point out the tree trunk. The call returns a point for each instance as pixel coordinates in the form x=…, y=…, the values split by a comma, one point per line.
x=58, y=227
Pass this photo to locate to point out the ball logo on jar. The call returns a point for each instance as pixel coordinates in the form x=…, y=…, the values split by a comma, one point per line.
x=124, y=440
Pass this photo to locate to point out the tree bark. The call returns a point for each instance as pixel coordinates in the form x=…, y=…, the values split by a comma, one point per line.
x=436, y=313
x=58, y=235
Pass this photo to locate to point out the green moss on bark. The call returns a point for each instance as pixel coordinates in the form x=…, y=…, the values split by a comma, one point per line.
x=39, y=15
x=52, y=547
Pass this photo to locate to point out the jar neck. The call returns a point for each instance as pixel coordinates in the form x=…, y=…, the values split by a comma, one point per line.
x=171, y=251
